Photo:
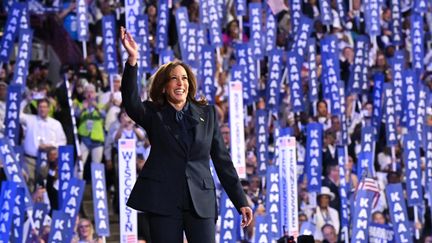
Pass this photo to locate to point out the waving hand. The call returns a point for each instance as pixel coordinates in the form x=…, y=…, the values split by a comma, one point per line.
x=130, y=45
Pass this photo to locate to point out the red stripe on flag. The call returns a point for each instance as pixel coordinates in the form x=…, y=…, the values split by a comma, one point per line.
x=369, y=184
x=131, y=239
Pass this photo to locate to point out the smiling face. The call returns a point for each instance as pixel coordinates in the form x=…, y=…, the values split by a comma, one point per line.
x=177, y=88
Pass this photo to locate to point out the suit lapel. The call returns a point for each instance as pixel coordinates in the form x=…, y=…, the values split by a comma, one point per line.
x=169, y=123
x=199, y=117
x=196, y=120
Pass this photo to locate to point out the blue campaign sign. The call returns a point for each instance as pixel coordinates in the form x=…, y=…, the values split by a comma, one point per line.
x=208, y=72
x=82, y=21
x=18, y=216
x=270, y=33
x=214, y=24
x=343, y=118
x=326, y=12
x=229, y=220
x=237, y=74
x=362, y=215
x=192, y=44
x=58, y=227
x=9, y=191
x=381, y=233
x=66, y=166
x=313, y=76
x=367, y=139
x=364, y=162
x=396, y=23
x=142, y=38
x=397, y=65
x=372, y=17
x=240, y=7
x=301, y=39
x=356, y=72
x=296, y=14
x=274, y=79
x=417, y=42
x=423, y=92
x=365, y=71
x=256, y=35
x=377, y=100
x=294, y=67
x=202, y=39
x=166, y=56
x=428, y=154
x=23, y=58
x=109, y=37
x=203, y=13
x=398, y=213
x=162, y=26
x=182, y=21
x=40, y=210
x=341, y=9
x=12, y=124
x=420, y=6
x=262, y=229
x=100, y=201
x=273, y=200
x=13, y=169
x=390, y=115
x=314, y=132
x=7, y=5
x=25, y=18
x=242, y=56
x=343, y=188
x=261, y=125
x=10, y=31
x=411, y=156
x=71, y=205
x=331, y=78
x=409, y=99
x=252, y=75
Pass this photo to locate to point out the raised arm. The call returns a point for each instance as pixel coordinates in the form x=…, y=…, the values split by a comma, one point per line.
x=130, y=45
x=131, y=100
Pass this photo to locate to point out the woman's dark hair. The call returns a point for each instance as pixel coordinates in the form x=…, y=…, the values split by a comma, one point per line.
x=321, y=101
x=162, y=76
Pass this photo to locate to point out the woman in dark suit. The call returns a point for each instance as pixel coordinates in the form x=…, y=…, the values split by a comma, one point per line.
x=175, y=186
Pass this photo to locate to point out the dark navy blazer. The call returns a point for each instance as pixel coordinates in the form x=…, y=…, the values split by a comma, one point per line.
x=160, y=184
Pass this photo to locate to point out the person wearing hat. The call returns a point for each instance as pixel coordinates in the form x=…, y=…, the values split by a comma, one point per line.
x=324, y=214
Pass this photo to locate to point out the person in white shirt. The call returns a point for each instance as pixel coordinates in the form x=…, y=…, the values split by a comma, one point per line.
x=3, y=95
x=112, y=101
x=40, y=132
x=325, y=214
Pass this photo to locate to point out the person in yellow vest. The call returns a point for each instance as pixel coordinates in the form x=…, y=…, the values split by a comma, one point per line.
x=91, y=117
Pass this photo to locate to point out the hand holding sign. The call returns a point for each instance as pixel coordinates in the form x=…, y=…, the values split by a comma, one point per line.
x=247, y=216
x=130, y=45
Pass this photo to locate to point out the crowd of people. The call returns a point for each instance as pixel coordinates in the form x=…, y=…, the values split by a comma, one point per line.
x=46, y=122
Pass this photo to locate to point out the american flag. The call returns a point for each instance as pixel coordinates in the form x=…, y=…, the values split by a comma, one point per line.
x=369, y=184
x=130, y=239
x=127, y=143
x=236, y=86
